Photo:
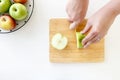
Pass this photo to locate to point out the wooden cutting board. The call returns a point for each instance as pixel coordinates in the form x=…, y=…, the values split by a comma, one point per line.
x=94, y=53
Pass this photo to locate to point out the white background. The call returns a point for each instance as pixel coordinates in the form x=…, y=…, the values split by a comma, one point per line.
x=24, y=54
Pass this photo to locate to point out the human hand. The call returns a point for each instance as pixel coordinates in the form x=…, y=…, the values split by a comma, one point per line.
x=98, y=24
x=76, y=10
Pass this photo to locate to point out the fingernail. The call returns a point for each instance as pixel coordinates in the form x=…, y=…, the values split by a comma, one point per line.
x=81, y=32
x=85, y=46
x=72, y=26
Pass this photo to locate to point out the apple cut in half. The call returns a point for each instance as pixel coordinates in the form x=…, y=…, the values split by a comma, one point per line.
x=59, y=41
x=79, y=37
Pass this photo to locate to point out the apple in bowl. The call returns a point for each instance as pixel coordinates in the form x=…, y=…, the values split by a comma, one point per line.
x=7, y=22
x=4, y=5
x=18, y=11
x=20, y=1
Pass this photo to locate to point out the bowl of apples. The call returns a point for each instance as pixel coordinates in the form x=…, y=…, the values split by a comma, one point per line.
x=14, y=14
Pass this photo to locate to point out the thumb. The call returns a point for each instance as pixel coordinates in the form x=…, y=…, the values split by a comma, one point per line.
x=74, y=24
x=86, y=29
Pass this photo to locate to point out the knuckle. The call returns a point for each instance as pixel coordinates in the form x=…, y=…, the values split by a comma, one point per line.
x=95, y=32
x=88, y=22
x=72, y=17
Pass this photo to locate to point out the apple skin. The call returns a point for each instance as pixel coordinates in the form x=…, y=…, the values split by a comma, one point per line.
x=20, y=1
x=7, y=22
x=4, y=5
x=79, y=37
x=18, y=11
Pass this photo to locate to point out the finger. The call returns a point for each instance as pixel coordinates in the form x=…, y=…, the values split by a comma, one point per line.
x=86, y=29
x=70, y=20
x=89, y=37
x=94, y=40
x=97, y=40
x=74, y=24
x=87, y=44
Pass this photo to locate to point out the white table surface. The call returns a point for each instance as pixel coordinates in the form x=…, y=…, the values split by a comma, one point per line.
x=24, y=54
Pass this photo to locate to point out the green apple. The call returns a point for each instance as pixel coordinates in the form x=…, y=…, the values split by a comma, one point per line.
x=4, y=5
x=7, y=22
x=20, y=1
x=59, y=41
x=18, y=11
x=79, y=37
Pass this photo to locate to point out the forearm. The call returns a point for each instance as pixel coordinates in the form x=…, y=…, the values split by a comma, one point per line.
x=114, y=6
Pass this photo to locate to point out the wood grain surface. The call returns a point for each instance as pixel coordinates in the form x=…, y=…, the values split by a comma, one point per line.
x=94, y=53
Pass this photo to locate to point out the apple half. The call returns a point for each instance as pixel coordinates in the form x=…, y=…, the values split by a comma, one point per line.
x=59, y=41
x=79, y=37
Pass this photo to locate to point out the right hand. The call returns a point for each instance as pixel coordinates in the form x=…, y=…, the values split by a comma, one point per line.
x=99, y=23
x=76, y=10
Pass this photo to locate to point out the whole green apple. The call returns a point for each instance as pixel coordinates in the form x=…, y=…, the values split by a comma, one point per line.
x=4, y=5
x=79, y=37
x=18, y=11
x=7, y=22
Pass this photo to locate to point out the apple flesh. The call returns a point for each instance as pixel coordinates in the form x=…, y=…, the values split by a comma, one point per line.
x=18, y=11
x=4, y=6
x=59, y=41
x=79, y=37
x=7, y=22
x=20, y=1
